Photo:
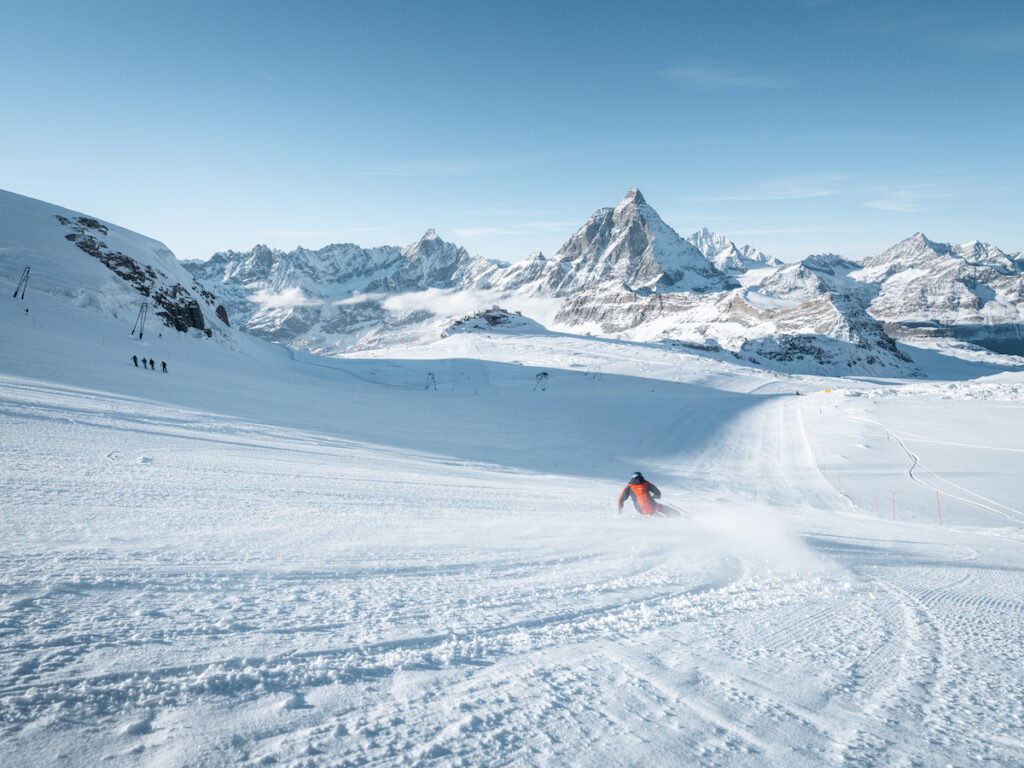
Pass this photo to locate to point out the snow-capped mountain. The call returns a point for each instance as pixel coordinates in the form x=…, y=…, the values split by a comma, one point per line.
x=800, y=318
x=434, y=263
x=972, y=292
x=280, y=295
x=344, y=296
x=626, y=245
x=625, y=272
x=336, y=297
x=98, y=265
x=727, y=256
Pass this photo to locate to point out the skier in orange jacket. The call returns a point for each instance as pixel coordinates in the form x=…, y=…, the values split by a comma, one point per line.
x=643, y=495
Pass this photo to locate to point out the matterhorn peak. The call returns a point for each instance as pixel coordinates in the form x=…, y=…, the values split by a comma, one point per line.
x=633, y=199
x=635, y=196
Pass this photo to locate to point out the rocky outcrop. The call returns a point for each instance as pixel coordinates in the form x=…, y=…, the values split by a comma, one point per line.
x=491, y=320
x=171, y=300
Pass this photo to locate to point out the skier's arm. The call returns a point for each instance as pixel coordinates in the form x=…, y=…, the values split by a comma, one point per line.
x=655, y=493
x=623, y=496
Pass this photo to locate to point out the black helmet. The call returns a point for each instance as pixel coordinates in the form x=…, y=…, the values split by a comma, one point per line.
x=636, y=478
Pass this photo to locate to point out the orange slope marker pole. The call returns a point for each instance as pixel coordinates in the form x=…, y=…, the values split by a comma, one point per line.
x=938, y=506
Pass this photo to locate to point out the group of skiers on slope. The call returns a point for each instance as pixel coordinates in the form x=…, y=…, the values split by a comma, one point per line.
x=152, y=363
x=644, y=495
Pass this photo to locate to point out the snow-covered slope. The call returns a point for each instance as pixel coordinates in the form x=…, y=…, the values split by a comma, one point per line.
x=264, y=557
x=101, y=266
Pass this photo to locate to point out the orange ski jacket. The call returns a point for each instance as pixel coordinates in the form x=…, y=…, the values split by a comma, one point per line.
x=643, y=496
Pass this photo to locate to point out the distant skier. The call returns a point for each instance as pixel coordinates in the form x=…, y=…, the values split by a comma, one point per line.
x=152, y=365
x=135, y=359
x=644, y=495
x=163, y=366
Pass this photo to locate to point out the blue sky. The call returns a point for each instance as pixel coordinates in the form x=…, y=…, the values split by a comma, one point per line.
x=798, y=127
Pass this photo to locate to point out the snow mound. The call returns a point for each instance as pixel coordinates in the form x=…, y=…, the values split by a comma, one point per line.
x=494, y=320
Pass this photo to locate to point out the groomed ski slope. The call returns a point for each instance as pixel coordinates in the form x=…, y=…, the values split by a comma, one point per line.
x=263, y=558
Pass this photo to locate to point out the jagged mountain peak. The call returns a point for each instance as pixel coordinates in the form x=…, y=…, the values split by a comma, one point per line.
x=705, y=235
x=829, y=261
x=631, y=244
x=431, y=242
x=727, y=256
x=919, y=250
x=632, y=197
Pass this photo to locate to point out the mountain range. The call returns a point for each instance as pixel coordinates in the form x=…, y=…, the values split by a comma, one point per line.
x=624, y=274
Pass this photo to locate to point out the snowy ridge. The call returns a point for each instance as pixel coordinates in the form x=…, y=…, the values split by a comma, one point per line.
x=727, y=256
x=971, y=292
x=96, y=264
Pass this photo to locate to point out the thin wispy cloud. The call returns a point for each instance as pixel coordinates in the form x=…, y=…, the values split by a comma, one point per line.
x=712, y=77
x=290, y=298
x=526, y=228
x=322, y=234
x=470, y=232
x=790, y=188
x=298, y=233
x=451, y=166
x=265, y=76
x=503, y=211
x=781, y=231
x=905, y=200
x=1001, y=42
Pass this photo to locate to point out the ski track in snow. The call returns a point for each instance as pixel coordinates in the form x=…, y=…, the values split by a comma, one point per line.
x=185, y=584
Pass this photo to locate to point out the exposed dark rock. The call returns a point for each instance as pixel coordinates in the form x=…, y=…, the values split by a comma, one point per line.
x=172, y=301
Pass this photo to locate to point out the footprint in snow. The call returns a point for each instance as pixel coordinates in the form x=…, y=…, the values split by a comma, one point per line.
x=144, y=460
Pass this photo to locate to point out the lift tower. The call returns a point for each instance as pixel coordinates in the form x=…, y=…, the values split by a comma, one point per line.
x=22, y=284
x=140, y=321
